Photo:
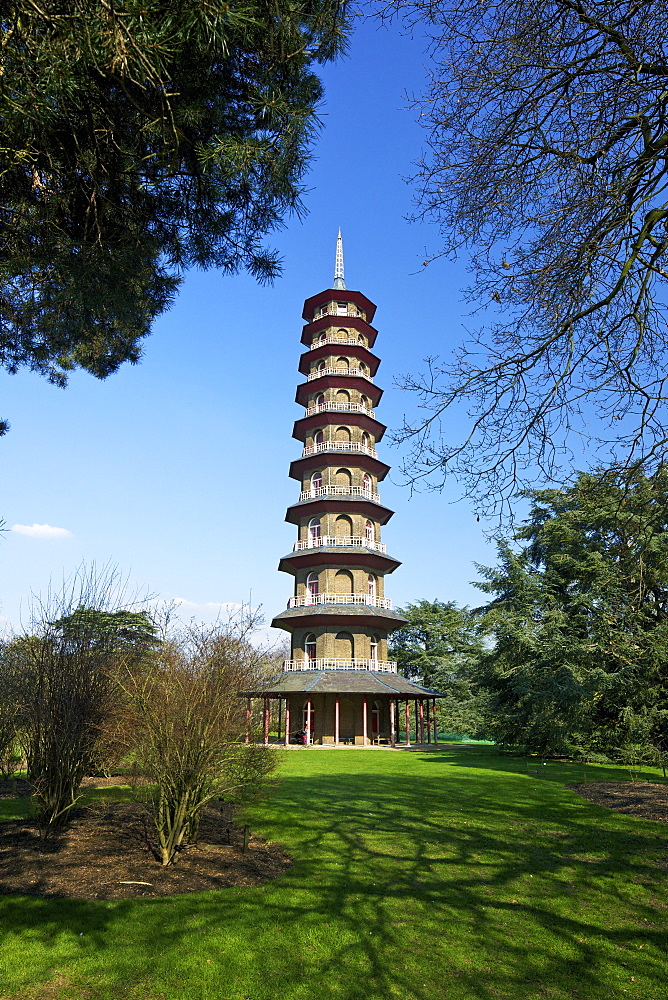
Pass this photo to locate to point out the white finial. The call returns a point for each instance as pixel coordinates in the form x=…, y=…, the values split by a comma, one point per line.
x=338, y=266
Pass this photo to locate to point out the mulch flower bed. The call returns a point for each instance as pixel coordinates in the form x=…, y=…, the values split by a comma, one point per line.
x=636, y=798
x=108, y=851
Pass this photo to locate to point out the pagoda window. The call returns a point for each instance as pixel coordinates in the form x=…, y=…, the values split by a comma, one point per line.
x=366, y=482
x=342, y=308
x=363, y=368
x=314, y=530
x=343, y=526
x=312, y=585
x=343, y=435
x=371, y=585
x=343, y=646
x=342, y=334
x=365, y=401
x=343, y=363
x=309, y=648
x=343, y=477
x=374, y=648
x=343, y=396
x=316, y=481
x=319, y=399
x=368, y=531
x=318, y=438
x=343, y=582
x=366, y=440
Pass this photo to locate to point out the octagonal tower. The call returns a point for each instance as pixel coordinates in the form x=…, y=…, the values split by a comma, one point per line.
x=339, y=617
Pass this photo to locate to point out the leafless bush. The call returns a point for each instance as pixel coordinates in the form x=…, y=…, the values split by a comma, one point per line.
x=184, y=724
x=80, y=637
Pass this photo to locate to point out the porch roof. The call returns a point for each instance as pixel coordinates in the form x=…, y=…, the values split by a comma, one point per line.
x=340, y=682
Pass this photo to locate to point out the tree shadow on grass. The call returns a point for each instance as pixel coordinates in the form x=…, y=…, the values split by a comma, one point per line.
x=410, y=882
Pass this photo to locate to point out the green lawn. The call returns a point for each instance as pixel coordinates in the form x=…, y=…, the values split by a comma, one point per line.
x=418, y=876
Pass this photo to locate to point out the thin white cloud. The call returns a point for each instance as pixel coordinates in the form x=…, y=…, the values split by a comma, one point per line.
x=41, y=531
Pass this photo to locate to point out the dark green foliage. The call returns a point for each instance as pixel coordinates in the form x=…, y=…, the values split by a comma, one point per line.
x=439, y=648
x=140, y=139
x=580, y=614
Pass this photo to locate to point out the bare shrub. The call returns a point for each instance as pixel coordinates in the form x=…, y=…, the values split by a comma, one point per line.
x=184, y=725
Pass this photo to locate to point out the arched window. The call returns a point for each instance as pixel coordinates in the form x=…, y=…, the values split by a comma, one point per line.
x=343, y=646
x=360, y=339
x=319, y=400
x=343, y=396
x=309, y=648
x=343, y=435
x=343, y=477
x=342, y=334
x=371, y=585
x=342, y=363
x=368, y=531
x=366, y=482
x=318, y=438
x=363, y=368
x=321, y=366
x=365, y=401
x=314, y=530
x=366, y=441
x=343, y=526
x=316, y=482
x=312, y=585
x=374, y=648
x=343, y=582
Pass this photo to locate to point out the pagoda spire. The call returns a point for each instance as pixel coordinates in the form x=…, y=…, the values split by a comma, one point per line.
x=338, y=264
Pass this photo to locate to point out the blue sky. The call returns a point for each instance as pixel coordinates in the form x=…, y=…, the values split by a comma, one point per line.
x=176, y=470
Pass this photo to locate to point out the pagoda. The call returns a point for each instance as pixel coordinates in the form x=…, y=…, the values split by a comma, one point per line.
x=339, y=685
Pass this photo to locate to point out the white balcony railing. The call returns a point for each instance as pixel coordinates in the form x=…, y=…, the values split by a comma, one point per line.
x=314, y=449
x=347, y=341
x=339, y=491
x=338, y=408
x=310, y=600
x=334, y=310
x=382, y=666
x=352, y=541
x=339, y=370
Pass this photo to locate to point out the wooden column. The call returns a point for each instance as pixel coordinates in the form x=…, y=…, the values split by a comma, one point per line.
x=287, y=720
x=417, y=720
x=364, y=721
x=421, y=720
x=408, y=722
x=308, y=722
x=267, y=716
x=278, y=727
x=435, y=724
x=428, y=722
x=392, y=721
x=337, y=716
x=248, y=719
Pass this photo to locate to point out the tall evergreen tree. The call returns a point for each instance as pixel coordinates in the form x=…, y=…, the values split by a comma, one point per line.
x=580, y=614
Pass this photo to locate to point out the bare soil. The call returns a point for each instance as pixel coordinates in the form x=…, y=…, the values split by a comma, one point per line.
x=635, y=798
x=109, y=851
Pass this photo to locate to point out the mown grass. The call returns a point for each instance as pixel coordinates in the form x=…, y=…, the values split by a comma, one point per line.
x=418, y=875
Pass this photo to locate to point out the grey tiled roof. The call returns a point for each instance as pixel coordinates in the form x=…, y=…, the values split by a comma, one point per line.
x=341, y=682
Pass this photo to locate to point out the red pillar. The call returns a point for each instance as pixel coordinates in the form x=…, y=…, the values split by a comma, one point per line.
x=417, y=720
x=421, y=720
x=308, y=722
x=248, y=719
x=267, y=711
x=278, y=727
x=337, y=710
x=428, y=722
x=435, y=724
x=408, y=722
x=364, y=721
x=392, y=719
x=287, y=721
